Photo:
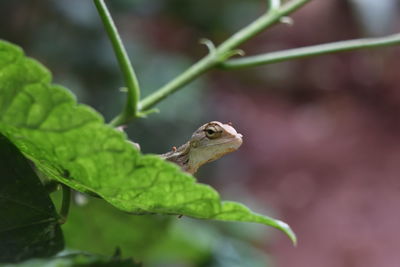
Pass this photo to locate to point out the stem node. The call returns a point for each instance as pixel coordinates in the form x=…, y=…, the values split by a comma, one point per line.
x=218, y=55
x=131, y=106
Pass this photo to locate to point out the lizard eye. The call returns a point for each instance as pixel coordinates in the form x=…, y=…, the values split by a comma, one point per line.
x=212, y=133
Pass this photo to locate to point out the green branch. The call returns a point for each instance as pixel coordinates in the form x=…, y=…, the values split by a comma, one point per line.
x=310, y=51
x=131, y=106
x=221, y=53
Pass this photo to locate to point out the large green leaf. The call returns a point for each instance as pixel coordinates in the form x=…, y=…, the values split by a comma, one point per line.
x=28, y=221
x=71, y=143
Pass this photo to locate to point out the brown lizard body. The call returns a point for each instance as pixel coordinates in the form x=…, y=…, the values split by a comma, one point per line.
x=208, y=143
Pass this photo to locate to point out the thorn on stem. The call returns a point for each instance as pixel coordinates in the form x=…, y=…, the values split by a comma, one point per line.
x=236, y=52
x=232, y=53
x=210, y=45
x=239, y=52
x=174, y=148
x=286, y=20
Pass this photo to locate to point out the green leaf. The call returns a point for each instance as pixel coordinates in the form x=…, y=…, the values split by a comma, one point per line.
x=28, y=223
x=70, y=142
x=141, y=233
x=80, y=259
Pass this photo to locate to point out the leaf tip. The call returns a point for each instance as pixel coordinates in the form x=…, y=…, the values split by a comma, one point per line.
x=288, y=231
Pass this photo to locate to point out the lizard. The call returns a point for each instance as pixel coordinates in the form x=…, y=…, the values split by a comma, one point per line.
x=208, y=143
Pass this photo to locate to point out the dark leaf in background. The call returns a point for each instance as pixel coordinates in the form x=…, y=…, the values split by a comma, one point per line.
x=28, y=220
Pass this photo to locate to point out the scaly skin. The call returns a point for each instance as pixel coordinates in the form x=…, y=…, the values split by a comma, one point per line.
x=208, y=143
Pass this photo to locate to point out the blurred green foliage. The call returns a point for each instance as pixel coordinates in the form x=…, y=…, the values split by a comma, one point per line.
x=81, y=259
x=97, y=227
x=68, y=37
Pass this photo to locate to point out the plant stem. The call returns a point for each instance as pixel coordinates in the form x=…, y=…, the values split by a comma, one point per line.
x=260, y=24
x=131, y=106
x=310, y=51
x=220, y=54
x=184, y=78
x=66, y=200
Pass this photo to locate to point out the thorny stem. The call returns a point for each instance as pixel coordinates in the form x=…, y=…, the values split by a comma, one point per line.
x=219, y=56
x=133, y=95
x=310, y=51
x=221, y=53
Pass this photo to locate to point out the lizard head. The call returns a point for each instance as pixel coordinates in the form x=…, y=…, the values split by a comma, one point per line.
x=210, y=142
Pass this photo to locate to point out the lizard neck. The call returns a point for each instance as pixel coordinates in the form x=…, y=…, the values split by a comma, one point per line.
x=180, y=156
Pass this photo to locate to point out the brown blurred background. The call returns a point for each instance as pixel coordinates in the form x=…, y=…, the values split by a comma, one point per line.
x=322, y=135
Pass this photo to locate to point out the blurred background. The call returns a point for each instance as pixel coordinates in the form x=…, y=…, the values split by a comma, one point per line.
x=321, y=135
